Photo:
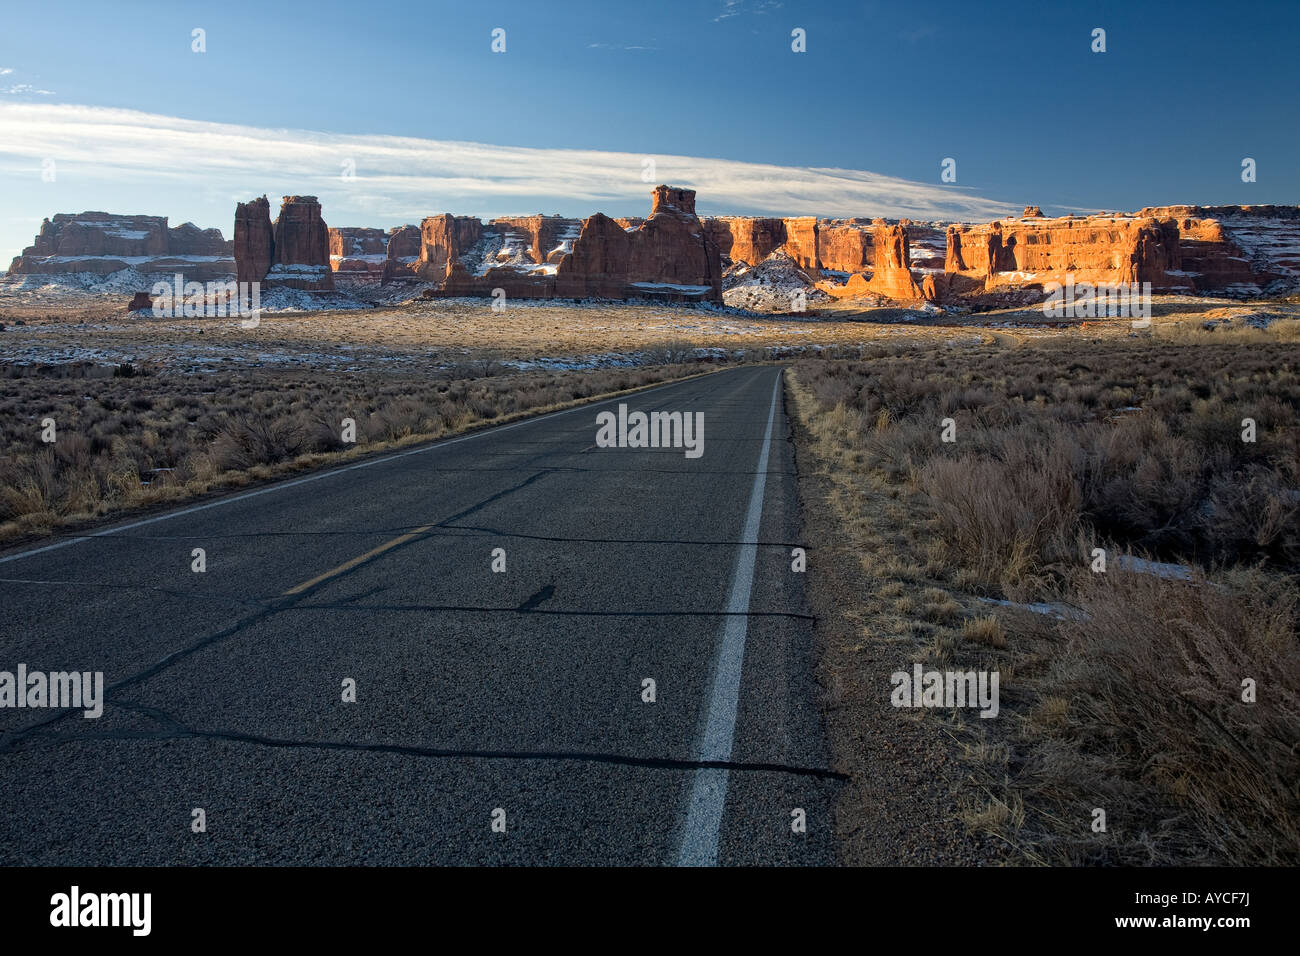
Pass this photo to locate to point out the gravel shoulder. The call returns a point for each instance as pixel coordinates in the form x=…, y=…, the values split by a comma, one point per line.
x=903, y=804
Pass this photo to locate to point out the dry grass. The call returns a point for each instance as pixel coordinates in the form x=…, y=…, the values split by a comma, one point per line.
x=441, y=329
x=1150, y=721
x=1128, y=696
x=124, y=441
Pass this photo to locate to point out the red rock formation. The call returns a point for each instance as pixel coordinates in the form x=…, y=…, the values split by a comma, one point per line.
x=1236, y=248
x=348, y=241
x=746, y=239
x=672, y=199
x=403, y=242
x=1032, y=212
x=302, y=256
x=955, y=261
x=140, y=302
x=669, y=255
x=101, y=234
x=597, y=267
x=466, y=257
x=254, y=240
x=892, y=266
x=403, y=253
x=358, y=252
x=858, y=286
x=1214, y=262
x=102, y=243
x=442, y=238
x=801, y=241
x=546, y=238
x=1093, y=249
x=844, y=245
x=833, y=245
x=671, y=248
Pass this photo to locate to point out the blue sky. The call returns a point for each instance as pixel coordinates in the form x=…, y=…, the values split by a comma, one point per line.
x=289, y=92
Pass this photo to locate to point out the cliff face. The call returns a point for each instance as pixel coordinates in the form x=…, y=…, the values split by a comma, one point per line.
x=293, y=252
x=254, y=240
x=367, y=254
x=672, y=248
x=443, y=238
x=188, y=239
x=1241, y=249
x=302, y=253
x=673, y=254
x=597, y=267
x=102, y=243
x=402, y=253
x=745, y=239
x=1093, y=249
x=752, y=239
x=801, y=241
x=892, y=265
x=845, y=245
x=667, y=255
x=358, y=253
x=349, y=241
x=1236, y=248
x=543, y=238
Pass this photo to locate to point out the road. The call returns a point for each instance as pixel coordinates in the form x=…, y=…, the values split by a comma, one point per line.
x=511, y=697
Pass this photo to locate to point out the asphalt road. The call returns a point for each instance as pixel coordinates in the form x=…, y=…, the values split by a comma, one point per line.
x=476, y=691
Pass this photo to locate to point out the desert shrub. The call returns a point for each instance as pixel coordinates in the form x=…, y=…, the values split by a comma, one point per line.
x=132, y=437
x=1156, y=726
x=247, y=440
x=1010, y=516
x=1123, y=688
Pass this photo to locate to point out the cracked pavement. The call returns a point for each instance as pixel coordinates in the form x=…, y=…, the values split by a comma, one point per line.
x=475, y=690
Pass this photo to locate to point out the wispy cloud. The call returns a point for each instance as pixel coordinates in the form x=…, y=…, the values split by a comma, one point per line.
x=734, y=8
x=20, y=89
x=405, y=178
x=618, y=46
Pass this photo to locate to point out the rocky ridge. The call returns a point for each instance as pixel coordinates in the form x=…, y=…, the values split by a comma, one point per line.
x=675, y=255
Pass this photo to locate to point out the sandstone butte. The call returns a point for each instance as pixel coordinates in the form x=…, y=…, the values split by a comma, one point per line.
x=674, y=255
x=102, y=243
x=668, y=255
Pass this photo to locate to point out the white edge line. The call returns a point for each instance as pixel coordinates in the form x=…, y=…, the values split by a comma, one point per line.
x=699, y=846
x=281, y=485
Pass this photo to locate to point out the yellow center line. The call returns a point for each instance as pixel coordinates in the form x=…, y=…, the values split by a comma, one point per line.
x=349, y=565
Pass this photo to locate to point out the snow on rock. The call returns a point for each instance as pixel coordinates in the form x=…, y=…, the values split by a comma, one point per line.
x=773, y=285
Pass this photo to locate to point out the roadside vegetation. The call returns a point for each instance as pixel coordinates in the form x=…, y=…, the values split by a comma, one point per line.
x=1122, y=690
x=130, y=436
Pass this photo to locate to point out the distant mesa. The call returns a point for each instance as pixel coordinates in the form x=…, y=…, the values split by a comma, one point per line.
x=372, y=255
x=668, y=256
x=101, y=243
x=673, y=255
x=1243, y=250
